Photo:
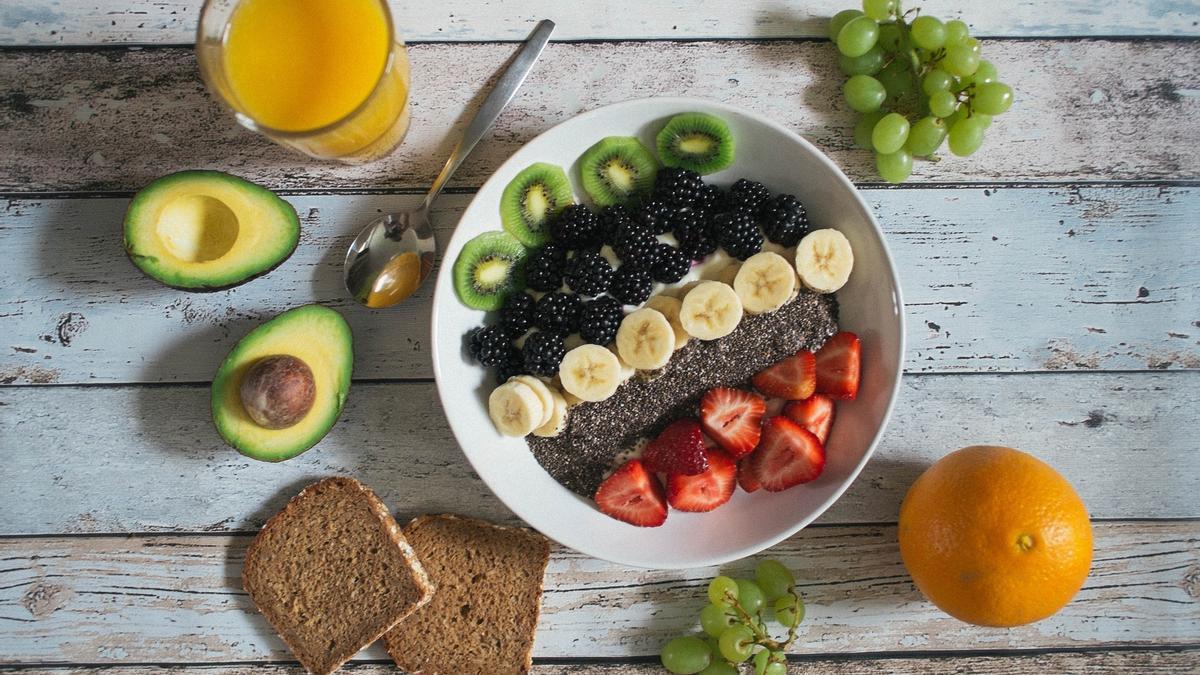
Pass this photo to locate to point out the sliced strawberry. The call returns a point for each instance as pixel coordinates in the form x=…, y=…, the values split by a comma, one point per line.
x=788, y=455
x=706, y=491
x=733, y=418
x=746, y=477
x=814, y=413
x=838, y=366
x=793, y=378
x=679, y=449
x=633, y=495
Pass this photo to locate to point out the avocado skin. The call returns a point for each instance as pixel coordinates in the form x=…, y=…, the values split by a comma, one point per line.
x=201, y=286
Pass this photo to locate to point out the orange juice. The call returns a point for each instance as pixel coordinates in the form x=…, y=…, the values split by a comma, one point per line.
x=324, y=76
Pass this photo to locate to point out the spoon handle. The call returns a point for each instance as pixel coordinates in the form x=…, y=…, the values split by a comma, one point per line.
x=496, y=101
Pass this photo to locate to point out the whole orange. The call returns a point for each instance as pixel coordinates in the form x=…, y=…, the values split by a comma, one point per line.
x=994, y=536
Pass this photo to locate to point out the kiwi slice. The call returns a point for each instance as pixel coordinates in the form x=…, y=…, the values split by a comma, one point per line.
x=487, y=268
x=696, y=141
x=531, y=199
x=617, y=170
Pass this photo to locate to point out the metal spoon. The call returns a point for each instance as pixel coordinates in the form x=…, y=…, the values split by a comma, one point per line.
x=394, y=253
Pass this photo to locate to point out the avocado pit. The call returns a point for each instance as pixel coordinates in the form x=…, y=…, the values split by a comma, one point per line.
x=278, y=391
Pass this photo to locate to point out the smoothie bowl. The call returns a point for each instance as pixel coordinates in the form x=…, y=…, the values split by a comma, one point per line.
x=663, y=396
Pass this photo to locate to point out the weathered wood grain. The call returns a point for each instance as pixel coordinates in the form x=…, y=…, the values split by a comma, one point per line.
x=130, y=459
x=51, y=22
x=1090, y=278
x=115, y=119
x=178, y=599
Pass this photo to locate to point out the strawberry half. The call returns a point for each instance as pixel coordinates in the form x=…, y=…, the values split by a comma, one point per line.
x=838, y=365
x=733, y=418
x=793, y=378
x=746, y=477
x=788, y=455
x=679, y=449
x=633, y=495
x=706, y=491
x=814, y=413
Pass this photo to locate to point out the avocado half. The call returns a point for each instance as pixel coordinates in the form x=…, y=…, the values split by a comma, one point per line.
x=316, y=335
x=208, y=230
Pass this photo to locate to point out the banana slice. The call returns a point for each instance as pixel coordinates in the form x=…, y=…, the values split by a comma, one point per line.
x=710, y=310
x=729, y=272
x=669, y=307
x=645, y=339
x=681, y=291
x=765, y=282
x=543, y=393
x=590, y=373
x=515, y=409
x=558, y=417
x=627, y=371
x=557, y=385
x=824, y=260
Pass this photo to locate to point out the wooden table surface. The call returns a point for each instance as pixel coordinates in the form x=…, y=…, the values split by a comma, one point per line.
x=1052, y=305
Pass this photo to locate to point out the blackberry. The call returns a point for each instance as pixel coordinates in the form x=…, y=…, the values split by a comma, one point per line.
x=611, y=219
x=589, y=273
x=544, y=271
x=600, y=321
x=678, y=187
x=514, y=364
x=693, y=231
x=543, y=352
x=738, y=234
x=636, y=246
x=489, y=345
x=748, y=195
x=655, y=215
x=712, y=199
x=671, y=264
x=516, y=314
x=631, y=286
x=557, y=312
x=576, y=228
x=783, y=219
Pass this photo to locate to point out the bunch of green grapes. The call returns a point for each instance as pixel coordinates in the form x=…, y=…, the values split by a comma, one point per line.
x=917, y=82
x=735, y=629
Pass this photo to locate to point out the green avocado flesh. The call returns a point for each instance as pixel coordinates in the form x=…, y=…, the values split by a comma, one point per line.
x=320, y=338
x=207, y=230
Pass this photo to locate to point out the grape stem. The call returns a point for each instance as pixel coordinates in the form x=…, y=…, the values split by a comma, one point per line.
x=761, y=636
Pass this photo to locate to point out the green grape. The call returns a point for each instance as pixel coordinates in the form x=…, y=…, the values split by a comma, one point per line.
x=894, y=167
x=864, y=93
x=857, y=37
x=927, y=32
x=722, y=591
x=889, y=134
x=984, y=119
x=974, y=44
x=774, y=579
x=880, y=10
x=776, y=668
x=936, y=80
x=719, y=667
x=926, y=136
x=942, y=104
x=714, y=619
x=956, y=32
x=960, y=113
x=841, y=19
x=889, y=37
x=867, y=64
x=714, y=646
x=986, y=72
x=686, y=655
x=750, y=596
x=736, y=643
x=789, y=611
x=966, y=136
x=960, y=60
x=992, y=98
x=864, y=127
x=896, y=78
x=761, y=659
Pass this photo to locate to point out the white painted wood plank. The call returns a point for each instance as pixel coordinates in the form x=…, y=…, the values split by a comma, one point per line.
x=80, y=22
x=1012, y=279
x=135, y=459
x=178, y=599
x=116, y=119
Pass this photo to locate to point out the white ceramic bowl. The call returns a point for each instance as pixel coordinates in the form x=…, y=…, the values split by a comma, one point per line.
x=870, y=305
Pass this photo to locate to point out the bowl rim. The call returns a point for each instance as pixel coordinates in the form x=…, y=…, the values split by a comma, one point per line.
x=595, y=551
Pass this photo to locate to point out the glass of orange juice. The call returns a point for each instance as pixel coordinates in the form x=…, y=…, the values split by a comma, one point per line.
x=329, y=78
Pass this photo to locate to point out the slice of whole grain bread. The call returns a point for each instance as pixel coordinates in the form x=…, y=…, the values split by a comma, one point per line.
x=483, y=617
x=332, y=572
